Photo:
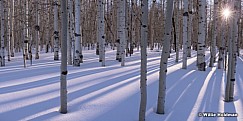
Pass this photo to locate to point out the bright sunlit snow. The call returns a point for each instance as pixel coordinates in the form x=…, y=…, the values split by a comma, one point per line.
x=112, y=93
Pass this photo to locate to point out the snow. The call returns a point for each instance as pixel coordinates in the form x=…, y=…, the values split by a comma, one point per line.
x=112, y=93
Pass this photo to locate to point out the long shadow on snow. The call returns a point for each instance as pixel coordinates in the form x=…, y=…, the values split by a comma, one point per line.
x=52, y=103
x=81, y=105
x=56, y=80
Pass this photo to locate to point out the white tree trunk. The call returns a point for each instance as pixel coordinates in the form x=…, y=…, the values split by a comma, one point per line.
x=143, y=78
x=177, y=31
x=229, y=96
x=215, y=34
x=56, y=31
x=229, y=71
x=2, y=59
x=122, y=30
x=101, y=31
x=63, y=77
x=25, y=33
x=201, y=36
x=11, y=28
x=69, y=38
x=77, y=34
x=185, y=34
x=8, y=29
x=164, y=58
x=37, y=28
x=189, y=38
x=222, y=46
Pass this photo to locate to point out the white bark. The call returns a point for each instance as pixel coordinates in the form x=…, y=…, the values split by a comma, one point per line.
x=101, y=31
x=118, y=43
x=37, y=28
x=185, y=33
x=11, y=28
x=8, y=29
x=143, y=78
x=56, y=31
x=63, y=77
x=229, y=96
x=189, y=28
x=177, y=31
x=222, y=46
x=215, y=34
x=164, y=58
x=69, y=38
x=25, y=33
x=229, y=71
x=77, y=58
x=201, y=36
x=2, y=57
x=122, y=30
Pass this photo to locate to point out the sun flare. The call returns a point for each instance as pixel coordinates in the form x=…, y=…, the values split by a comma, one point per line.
x=226, y=13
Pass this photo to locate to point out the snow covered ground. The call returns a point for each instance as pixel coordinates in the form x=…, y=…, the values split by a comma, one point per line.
x=112, y=93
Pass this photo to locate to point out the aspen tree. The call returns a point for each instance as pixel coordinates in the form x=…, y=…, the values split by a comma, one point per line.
x=229, y=94
x=63, y=77
x=185, y=34
x=11, y=28
x=8, y=29
x=77, y=58
x=215, y=34
x=229, y=70
x=164, y=58
x=25, y=32
x=201, y=35
x=177, y=30
x=118, y=41
x=46, y=35
x=189, y=38
x=37, y=29
x=101, y=31
x=222, y=46
x=143, y=78
x=2, y=9
x=69, y=38
x=56, y=32
x=152, y=26
x=121, y=30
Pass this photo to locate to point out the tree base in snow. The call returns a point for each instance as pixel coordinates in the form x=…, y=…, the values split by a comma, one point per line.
x=202, y=66
x=56, y=58
x=76, y=62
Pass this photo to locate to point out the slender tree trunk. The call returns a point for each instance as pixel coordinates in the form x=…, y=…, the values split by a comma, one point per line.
x=189, y=28
x=121, y=30
x=63, y=77
x=143, y=78
x=201, y=36
x=215, y=34
x=11, y=28
x=8, y=29
x=164, y=58
x=2, y=8
x=185, y=33
x=56, y=32
x=37, y=28
x=229, y=71
x=222, y=46
x=69, y=38
x=25, y=33
x=101, y=31
x=234, y=49
x=177, y=31
x=77, y=34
